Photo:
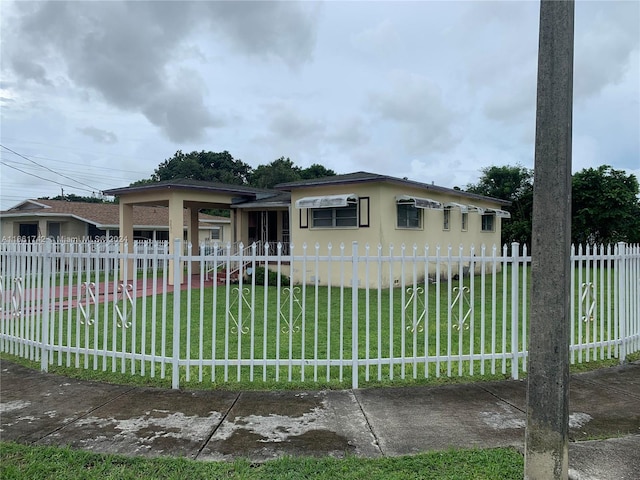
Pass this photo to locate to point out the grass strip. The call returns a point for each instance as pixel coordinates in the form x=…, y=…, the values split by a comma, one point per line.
x=21, y=461
x=272, y=385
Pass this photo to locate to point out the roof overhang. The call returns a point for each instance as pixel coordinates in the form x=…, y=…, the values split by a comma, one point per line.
x=327, y=201
x=419, y=202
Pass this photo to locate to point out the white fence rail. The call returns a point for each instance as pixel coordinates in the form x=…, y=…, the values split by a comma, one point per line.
x=349, y=315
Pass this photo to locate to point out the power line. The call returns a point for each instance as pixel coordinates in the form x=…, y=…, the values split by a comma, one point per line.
x=46, y=168
x=79, y=150
x=82, y=176
x=84, y=164
x=49, y=180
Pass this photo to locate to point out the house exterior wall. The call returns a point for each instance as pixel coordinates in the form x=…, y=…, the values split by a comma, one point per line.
x=206, y=199
x=206, y=234
x=69, y=228
x=377, y=225
x=76, y=229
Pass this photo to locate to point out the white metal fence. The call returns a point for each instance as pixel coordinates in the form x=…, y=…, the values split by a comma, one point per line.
x=351, y=315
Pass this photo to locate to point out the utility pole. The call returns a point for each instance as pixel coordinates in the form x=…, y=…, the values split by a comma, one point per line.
x=546, y=443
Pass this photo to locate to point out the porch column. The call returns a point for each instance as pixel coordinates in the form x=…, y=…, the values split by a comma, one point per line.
x=193, y=235
x=42, y=228
x=234, y=226
x=176, y=229
x=126, y=233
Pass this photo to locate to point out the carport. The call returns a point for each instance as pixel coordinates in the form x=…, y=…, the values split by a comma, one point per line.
x=177, y=195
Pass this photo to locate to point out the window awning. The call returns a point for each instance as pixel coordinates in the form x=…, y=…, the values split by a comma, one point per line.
x=419, y=202
x=327, y=201
x=474, y=208
x=495, y=211
x=463, y=208
x=499, y=213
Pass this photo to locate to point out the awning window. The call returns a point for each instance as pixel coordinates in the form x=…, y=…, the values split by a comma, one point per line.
x=463, y=208
x=419, y=202
x=327, y=201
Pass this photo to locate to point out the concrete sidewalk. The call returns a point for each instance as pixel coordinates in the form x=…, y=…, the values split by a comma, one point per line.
x=44, y=409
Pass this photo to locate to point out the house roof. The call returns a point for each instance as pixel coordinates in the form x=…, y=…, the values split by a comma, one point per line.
x=259, y=197
x=189, y=184
x=367, y=177
x=278, y=200
x=102, y=215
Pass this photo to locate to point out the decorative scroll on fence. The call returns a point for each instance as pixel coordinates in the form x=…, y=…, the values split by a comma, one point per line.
x=375, y=316
x=241, y=304
x=291, y=310
x=461, y=308
x=87, y=304
x=588, y=300
x=416, y=295
x=125, y=296
x=17, y=293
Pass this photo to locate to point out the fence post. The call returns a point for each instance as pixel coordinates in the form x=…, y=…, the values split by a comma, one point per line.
x=46, y=306
x=515, y=275
x=622, y=300
x=177, y=274
x=354, y=315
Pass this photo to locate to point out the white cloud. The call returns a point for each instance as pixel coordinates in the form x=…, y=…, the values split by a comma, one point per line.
x=418, y=107
x=127, y=51
x=430, y=90
x=605, y=45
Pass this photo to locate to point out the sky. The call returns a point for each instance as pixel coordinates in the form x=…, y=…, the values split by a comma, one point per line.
x=96, y=94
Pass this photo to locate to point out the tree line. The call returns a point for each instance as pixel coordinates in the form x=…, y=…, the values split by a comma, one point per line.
x=222, y=167
x=605, y=201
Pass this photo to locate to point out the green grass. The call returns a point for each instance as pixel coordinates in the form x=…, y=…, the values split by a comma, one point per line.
x=397, y=327
x=20, y=461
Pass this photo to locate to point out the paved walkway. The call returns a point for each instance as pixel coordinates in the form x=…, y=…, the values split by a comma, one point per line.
x=45, y=409
x=70, y=296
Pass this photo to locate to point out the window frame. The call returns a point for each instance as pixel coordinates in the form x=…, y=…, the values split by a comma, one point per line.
x=334, y=217
x=409, y=208
x=446, y=219
x=483, y=225
x=51, y=226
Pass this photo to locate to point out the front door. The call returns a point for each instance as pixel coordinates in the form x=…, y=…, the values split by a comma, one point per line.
x=263, y=227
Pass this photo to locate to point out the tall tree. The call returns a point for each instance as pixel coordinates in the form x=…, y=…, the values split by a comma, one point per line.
x=208, y=166
x=316, y=171
x=283, y=170
x=605, y=207
x=515, y=184
x=222, y=167
x=280, y=170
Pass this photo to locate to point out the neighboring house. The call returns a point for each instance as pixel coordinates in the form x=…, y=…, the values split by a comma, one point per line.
x=60, y=219
x=359, y=207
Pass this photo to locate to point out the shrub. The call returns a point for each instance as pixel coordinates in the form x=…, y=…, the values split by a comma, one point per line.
x=272, y=279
